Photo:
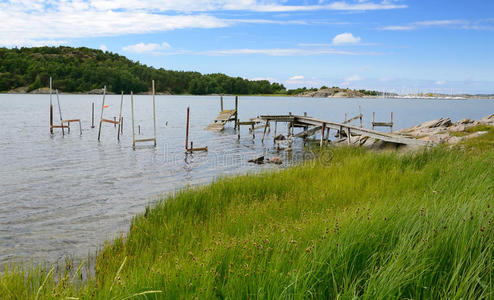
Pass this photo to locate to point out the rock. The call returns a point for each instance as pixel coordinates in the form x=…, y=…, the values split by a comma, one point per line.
x=443, y=122
x=489, y=120
x=458, y=127
x=464, y=121
x=276, y=160
x=258, y=160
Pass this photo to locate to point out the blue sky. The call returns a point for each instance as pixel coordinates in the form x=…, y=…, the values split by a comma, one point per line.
x=396, y=45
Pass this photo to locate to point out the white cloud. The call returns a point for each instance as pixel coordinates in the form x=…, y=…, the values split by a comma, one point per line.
x=249, y=5
x=37, y=21
x=431, y=23
x=103, y=48
x=146, y=48
x=300, y=80
x=440, y=82
x=345, y=39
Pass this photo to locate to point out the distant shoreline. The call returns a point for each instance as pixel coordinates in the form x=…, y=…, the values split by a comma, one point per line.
x=454, y=97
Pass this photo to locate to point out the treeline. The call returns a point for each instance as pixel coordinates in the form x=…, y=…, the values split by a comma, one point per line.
x=84, y=69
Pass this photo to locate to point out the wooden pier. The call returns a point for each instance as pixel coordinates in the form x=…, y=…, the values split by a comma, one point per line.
x=324, y=126
x=224, y=117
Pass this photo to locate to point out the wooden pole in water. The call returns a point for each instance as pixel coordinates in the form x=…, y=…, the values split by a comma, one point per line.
x=236, y=112
x=51, y=118
x=60, y=112
x=121, y=126
x=373, y=119
x=221, y=103
x=114, y=121
x=132, y=110
x=391, y=127
x=120, y=118
x=92, y=115
x=102, y=108
x=360, y=115
x=264, y=134
x=51, y=108
x=154, y=114
x=187, y=131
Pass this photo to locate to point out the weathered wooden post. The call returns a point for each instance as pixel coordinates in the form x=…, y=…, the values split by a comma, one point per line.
x=391, y=123
x=132, y=109
x=360, y=115
x=154, y=114
x=187, y=131
x=373, y=119
x=60, y=112
x=323, y=129
x=114, y=122
x=121, y=125
x=92, y=115
x=119, y=129
x=102, y=109
x=51, y=109
x=221, y=103
x=264, y=134
x=236, y=112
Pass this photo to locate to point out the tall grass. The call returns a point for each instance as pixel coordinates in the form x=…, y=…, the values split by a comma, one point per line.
x=365, y=224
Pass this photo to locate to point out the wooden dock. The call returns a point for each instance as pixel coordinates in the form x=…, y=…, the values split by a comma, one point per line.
x=221, y=119
x=323, y=125
x=224, y=116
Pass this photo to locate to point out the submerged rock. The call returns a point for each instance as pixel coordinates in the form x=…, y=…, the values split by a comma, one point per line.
x=275, y=160
x=258, y=160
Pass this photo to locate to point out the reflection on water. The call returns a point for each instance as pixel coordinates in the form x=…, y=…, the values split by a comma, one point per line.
x=65, y=195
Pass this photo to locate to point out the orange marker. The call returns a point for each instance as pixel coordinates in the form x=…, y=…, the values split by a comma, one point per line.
x=106, y=106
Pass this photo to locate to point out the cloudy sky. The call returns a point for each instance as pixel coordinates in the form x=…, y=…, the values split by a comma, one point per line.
x=397, y=45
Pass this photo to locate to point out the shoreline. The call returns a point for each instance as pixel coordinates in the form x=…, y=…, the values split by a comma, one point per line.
x=272, y=95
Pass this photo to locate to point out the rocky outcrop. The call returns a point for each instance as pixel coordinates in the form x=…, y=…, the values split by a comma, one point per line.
x=332, y=93
x=444, y=131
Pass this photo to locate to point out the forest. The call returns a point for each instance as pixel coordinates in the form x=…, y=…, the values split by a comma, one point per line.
x=79, y=70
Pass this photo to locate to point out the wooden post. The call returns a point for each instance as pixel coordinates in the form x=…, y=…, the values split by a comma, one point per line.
x=120, y=118
x=139, y=127
x=92, y=115
x=115, y=121
x=60, y=111
x=121, y=125
x=344, y=122
x=373, y=119
x=327, y=135
x=236, y=112
x=187, y=131
x=391, y=123
x=51, y=109
x=102, y=108
x=154, y=114
x=264, y=134
x=51, y=118
x=275, y=127
x=221, y=103
x=132, y=109
x=349, y=136
x=360, y=115
x=252, y=130
x=323, y=129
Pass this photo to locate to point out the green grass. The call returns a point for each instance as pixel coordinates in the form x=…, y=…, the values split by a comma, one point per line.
x=352, y=224
x=471, y=130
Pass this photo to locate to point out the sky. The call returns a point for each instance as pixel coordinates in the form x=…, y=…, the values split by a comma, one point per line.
x=403, y=46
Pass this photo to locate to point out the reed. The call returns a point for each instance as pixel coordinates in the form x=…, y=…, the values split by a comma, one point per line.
x=362, y=224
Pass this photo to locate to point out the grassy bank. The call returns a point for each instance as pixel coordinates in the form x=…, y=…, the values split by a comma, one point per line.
x=353, y=224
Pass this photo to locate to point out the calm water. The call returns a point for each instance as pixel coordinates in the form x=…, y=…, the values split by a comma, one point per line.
x=65, y=195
